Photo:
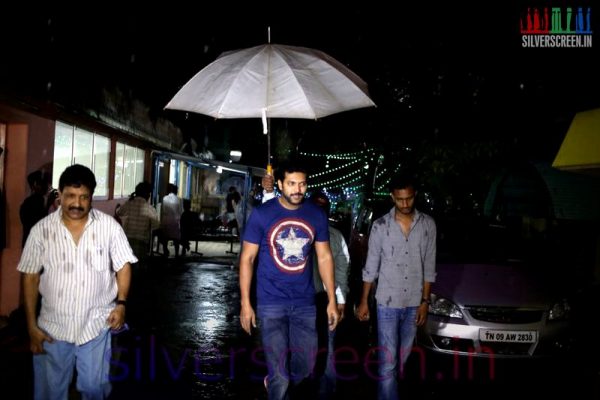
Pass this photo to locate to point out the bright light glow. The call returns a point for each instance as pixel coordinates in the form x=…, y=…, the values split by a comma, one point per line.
x=235, y=155
x=210, y=324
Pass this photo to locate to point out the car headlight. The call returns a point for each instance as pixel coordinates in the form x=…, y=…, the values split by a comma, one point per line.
x=559, y=311
x=444, y=307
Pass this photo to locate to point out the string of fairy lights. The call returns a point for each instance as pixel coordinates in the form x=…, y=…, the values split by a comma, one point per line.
x=345, y=175
x=340, y=156
x=332, y=170
x=381, y=189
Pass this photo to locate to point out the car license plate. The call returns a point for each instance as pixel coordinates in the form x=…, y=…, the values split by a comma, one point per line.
x=493, y=335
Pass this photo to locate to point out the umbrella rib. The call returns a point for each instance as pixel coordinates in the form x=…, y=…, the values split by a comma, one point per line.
x=236, y=79
x=338, y=69
x=331, y=63
x=297, y=81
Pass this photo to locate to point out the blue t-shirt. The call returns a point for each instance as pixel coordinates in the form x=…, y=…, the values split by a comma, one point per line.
x=285, y=238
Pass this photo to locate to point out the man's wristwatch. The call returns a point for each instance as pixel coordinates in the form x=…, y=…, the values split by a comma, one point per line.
x=122, y=303
x=426, y=301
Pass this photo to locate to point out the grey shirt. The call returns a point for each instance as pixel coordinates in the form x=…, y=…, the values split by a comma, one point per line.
x=402, y=263
x=341, y=259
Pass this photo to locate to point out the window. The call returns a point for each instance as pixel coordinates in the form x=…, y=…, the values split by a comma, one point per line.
x=129, y=169
x=101, y=159
x=74, y=145
x=173, y=172
x=63, y=150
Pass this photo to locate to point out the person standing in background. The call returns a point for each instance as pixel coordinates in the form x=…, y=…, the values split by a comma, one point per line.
x=140, y=219
x=341, y=258
x=189, y=221
x=34, y=207
x=170, y=215
x=232, y=203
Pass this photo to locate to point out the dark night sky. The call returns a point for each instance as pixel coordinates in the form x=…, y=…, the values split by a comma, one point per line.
x=451, y=73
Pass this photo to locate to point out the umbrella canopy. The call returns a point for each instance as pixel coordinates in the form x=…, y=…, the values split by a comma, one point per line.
x=281, y=81
x=272, y=81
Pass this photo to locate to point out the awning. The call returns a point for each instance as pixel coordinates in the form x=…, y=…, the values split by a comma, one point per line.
x=580, y=150
x=204, y=163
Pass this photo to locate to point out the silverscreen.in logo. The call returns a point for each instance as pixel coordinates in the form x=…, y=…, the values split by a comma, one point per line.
x=556, y=27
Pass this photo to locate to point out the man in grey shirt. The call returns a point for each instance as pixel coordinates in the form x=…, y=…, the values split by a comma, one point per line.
x=402, y=250
x=326, y=370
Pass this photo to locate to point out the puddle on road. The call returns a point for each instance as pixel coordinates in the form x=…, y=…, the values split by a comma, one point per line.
x=186, y=336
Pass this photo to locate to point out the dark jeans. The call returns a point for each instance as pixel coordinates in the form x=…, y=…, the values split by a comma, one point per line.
x=396, y=330
x=325, y=369
x=289, y=339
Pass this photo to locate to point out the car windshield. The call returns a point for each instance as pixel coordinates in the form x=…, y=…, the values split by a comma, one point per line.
x=461, y=241
x=370, y=211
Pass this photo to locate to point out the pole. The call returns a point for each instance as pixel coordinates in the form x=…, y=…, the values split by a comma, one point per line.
x=266, y=123
x=269, y=166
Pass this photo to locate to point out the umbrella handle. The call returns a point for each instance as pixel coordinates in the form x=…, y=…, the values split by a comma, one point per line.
x=267, y=131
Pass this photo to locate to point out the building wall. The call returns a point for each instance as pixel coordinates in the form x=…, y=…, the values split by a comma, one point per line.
x=573, y=196
x=14, y=191
x=574, y=204
x=29, y=146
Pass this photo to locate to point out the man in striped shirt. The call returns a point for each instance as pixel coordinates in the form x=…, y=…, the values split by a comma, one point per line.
x=78, y=259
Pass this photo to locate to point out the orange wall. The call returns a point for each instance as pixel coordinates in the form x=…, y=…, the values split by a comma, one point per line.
x=15, y=191
x=29, y=146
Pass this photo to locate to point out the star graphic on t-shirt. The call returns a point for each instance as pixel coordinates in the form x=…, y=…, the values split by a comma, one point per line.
x=292, y=245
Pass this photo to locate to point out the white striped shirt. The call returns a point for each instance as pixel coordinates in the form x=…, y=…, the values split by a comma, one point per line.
x=77, y=282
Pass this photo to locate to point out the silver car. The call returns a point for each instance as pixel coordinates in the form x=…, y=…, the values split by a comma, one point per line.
x=498, y=301
x=495, y=310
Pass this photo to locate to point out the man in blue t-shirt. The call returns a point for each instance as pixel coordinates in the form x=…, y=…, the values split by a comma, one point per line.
x=283, y=232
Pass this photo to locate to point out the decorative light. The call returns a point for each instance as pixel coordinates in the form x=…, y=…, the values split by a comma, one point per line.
x=235, y=155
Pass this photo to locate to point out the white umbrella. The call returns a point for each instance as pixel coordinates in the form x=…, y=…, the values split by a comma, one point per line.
x=272, y=81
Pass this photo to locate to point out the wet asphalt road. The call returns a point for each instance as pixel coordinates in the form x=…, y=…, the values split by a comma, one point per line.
x=185, y=342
